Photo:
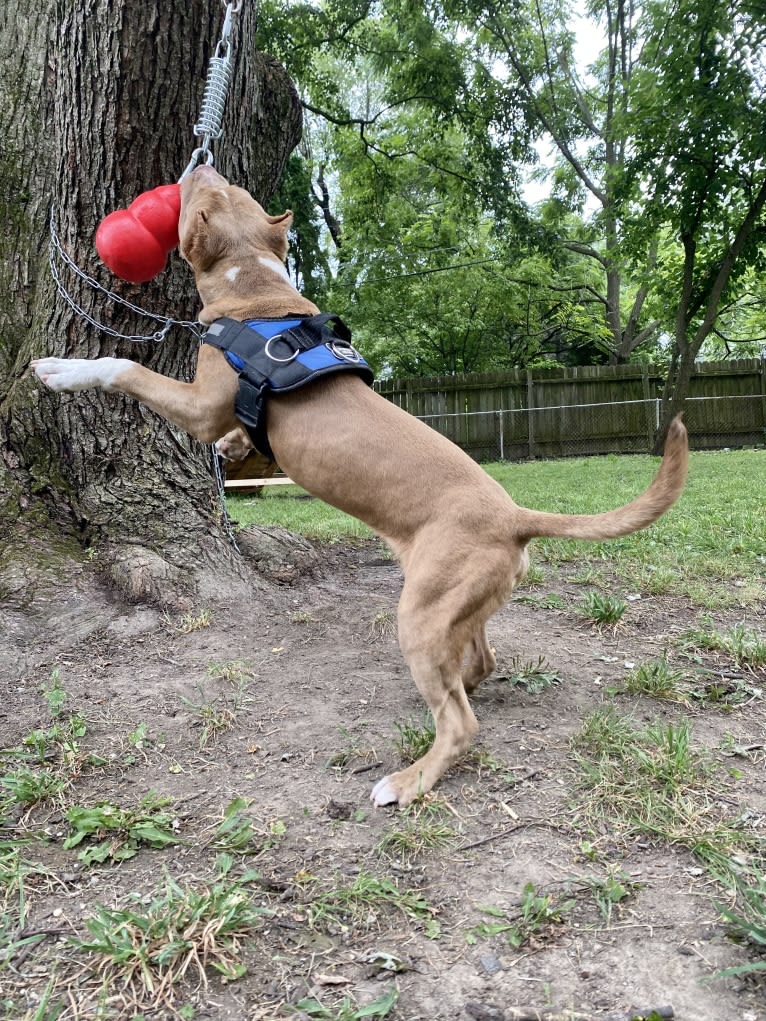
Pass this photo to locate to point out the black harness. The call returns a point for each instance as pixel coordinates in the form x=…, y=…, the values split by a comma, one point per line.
x=279, y=355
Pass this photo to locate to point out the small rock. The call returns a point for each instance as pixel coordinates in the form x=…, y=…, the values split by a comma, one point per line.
x=484, y=1011
x=490, y=964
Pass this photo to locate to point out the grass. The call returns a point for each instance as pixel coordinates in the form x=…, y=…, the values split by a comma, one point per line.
x=148, y=944
x=361, y=904
x=715, y=535
x=114, y=834
x=743, y=644
x=602, y=609
x=653, y=783
x=539, y=915
x=423, y=829
x=533, y=677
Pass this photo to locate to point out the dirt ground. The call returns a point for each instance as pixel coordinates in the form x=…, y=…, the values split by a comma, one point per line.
x=312, y=728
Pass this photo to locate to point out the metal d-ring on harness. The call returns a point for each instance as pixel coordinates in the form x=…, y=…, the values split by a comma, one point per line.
x=208, y=129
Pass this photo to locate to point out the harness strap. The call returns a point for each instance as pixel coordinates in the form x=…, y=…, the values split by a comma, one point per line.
x=280, y=355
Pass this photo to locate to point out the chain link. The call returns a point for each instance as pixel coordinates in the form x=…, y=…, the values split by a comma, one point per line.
x=56, y=252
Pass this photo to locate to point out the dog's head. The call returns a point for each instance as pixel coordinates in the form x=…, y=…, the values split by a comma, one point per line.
x=235, y=248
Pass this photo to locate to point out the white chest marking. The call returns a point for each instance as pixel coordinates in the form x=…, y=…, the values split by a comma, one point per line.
x=275, y=265
x=231, y=274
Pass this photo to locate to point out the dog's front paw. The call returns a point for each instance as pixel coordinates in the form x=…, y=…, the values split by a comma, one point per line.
x=235, y=445
x=78, y=373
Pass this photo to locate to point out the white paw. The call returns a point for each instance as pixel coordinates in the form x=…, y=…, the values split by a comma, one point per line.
x=235, y=445
x=78, y=373
x=384, y=793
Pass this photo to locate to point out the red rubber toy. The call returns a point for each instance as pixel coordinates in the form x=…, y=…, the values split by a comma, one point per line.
x=135, y=242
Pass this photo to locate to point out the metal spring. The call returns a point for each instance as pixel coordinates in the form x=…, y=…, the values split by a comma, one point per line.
x=214, y=99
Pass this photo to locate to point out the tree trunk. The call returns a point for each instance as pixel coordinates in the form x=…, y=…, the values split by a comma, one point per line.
x=97, y=104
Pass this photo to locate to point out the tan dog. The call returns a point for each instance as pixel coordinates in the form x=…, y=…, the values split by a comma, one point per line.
x=461, y=540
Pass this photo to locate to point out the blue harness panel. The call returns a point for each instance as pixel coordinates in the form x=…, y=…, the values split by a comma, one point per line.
x=279, y=355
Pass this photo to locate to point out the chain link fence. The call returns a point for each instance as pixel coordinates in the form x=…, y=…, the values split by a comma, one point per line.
x=578, y=430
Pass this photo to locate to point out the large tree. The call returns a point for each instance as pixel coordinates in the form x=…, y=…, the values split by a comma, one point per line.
x=97, y=104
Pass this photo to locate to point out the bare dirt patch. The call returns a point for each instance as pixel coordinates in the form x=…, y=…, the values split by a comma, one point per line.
x=301, y=727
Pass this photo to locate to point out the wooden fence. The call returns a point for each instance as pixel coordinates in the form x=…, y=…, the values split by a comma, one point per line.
x=560, y=411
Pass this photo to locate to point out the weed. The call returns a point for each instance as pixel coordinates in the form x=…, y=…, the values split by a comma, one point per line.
x=235, y=671
x=55, y=696
x=215, y=716
x=656, y=679
x=346, y=1010
x=150, y=943
x=383, y=625
x=423, y=830
x=189, y=622
x=361, y=904
x=745, y=646
x=415, y=738
x=532, y=677
x=120, y=831
x=614, y=889
x=30, y=787
x=351, y=751
x=602, y=609
x=539, y=913
x=749, y=924
x=302, y=617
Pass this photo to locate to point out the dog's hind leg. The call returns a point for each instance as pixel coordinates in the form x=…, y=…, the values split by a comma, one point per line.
x=434, y=630
x=480, y=661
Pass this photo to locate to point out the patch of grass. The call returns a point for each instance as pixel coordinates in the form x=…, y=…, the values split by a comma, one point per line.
x=383, y=625
x=537, y=921
x=15, y=872
x=146, y=946
x=302, y=617
x=215, y=715
x=532, y=677
x=743, y=644
x=652, y=782
x=748, y=923
x=362, y=904
x=29, y=787
x=234, y=671
x=714, y=536
x=347, y=1010
x=290, y=507
x=656, y=679
x=118, y=832
x=415, y=738
x=189, y=622
x=423, y=830
x=602, y=609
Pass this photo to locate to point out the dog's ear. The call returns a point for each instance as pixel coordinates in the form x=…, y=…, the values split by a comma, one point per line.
x=201, y=244
x=278, y=228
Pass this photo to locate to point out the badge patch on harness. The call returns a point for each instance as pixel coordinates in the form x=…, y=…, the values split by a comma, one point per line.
x=279, y=355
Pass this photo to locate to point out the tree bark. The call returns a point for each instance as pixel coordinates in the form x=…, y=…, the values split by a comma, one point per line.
x=97, y=104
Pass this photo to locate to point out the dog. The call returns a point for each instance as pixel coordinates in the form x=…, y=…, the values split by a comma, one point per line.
x=460, y=539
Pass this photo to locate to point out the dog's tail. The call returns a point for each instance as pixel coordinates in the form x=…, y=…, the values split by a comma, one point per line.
x=646, y=508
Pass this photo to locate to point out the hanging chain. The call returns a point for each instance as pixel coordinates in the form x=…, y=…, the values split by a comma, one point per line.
x=208, y=127
x=56, y=252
